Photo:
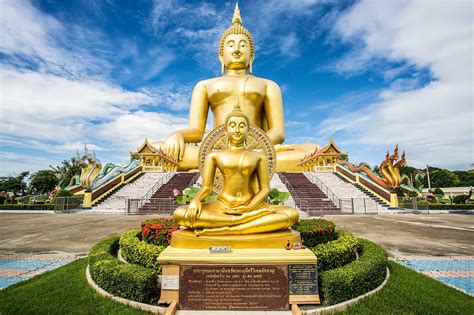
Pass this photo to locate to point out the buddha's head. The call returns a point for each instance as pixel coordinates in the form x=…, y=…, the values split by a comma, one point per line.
x=236, y=49
x=237, y=126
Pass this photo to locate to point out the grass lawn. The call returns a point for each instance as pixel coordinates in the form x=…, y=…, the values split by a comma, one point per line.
x=61, y=291
x=408, y=292
x=65, y=291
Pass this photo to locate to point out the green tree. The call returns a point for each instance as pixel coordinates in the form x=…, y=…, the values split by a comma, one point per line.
x=466, y=178
x=14, y=184
x=43, y=181
x=443, y=178
x=66, y=171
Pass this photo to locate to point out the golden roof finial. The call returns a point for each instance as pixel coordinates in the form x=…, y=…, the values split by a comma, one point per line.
x=236, y=18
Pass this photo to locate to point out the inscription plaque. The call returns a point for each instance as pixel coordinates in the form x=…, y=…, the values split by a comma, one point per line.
x=233, y=287
x=303, y=279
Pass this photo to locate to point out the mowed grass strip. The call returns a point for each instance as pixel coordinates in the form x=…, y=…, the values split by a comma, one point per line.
x=61, y=291
x=408, y=292
x=65, y=291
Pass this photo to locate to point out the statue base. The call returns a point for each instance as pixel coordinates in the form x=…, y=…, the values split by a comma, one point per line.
x=256, y=274
x=279, y=239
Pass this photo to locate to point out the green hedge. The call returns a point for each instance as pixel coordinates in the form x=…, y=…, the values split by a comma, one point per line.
x=140, y=253
x=450, y=207
x=336, y=253
x=26, y=207
x=358, y=277
x=125, y=280
x=316, y=231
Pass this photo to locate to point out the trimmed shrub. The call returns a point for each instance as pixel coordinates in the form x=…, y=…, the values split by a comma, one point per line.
x=125, y=280
x=158, y=231
x=336, y=253
x=135, y=251
x=316, y=231
x=26, y=207
x=358, y=277
x=450, y=207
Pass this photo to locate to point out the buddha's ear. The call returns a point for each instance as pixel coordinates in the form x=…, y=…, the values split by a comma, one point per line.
x=221, y=59
x=250, y=65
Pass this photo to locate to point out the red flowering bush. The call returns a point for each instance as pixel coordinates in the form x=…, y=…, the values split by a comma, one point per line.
x=158, y=231
x=316, y=231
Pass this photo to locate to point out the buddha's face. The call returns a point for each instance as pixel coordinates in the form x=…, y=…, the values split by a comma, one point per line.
x=237, y=129
x=236, y=54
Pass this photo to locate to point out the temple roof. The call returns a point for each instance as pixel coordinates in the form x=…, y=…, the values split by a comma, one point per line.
x=146, y=149
x=329, y=149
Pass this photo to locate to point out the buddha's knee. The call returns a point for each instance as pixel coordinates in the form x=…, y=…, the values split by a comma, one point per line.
x=179, y=215
x=292, y=214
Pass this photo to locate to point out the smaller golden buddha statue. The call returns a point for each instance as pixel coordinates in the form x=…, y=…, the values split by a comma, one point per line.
x=240, y=208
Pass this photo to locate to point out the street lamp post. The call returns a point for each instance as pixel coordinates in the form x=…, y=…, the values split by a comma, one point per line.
x=428, y=174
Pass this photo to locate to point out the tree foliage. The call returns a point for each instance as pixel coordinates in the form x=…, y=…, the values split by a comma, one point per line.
x=14, y=184
x=43, y=181
x=66, y=171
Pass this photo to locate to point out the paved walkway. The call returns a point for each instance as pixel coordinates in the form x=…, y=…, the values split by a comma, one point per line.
x=438, y=245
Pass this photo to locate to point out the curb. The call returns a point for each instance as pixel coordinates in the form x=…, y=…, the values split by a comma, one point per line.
x=141, y=306
x=344, y=305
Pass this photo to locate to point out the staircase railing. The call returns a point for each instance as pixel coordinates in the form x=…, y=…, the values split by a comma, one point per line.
x=162, y=205
x=133, y=205
x=302, y=204
x=345, y=204
x=325, y=189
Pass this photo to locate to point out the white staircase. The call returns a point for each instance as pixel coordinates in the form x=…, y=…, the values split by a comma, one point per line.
x=136, y=189
x=352, y=198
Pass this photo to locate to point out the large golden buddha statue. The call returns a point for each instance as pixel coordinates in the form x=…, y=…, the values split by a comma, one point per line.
x=240, y=207
x=261, y=102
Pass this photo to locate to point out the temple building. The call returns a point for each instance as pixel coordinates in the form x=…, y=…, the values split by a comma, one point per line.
x=322, y=157
x=153, y=159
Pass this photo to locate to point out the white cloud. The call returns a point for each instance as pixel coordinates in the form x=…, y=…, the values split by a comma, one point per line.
x=434, y=123
x=128, y=131
x=56, y=94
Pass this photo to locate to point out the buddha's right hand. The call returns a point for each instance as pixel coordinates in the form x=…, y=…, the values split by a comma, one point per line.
x=193, y=212
x=175, y=146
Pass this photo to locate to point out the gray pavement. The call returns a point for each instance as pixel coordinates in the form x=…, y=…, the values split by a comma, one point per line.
x=400, y=234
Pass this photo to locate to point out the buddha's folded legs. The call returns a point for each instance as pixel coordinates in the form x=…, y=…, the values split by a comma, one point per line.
x=212, y=216
x=282, y=218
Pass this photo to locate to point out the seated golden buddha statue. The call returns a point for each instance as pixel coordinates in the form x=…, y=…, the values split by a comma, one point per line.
x=240, y=208
x=261, y=101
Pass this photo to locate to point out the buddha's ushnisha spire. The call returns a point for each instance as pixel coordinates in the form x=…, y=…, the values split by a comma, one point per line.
x=236, y=18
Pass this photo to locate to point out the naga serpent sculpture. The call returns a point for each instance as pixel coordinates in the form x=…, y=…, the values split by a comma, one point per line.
x=90, y=168
x=391, y=177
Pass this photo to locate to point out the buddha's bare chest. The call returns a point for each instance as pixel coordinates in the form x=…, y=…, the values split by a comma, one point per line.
x=237, y=165
x=227, y=91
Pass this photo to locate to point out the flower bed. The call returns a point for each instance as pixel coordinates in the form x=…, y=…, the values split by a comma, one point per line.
x=129, y=281
x=316, y=231
x=341, y=275
x=158, y=231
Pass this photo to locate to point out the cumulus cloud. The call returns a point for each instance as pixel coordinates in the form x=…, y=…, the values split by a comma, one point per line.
x=434, y=122
x=128, y=131
x=57, y=95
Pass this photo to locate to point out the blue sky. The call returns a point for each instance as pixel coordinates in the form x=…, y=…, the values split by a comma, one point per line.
x=371, y=74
